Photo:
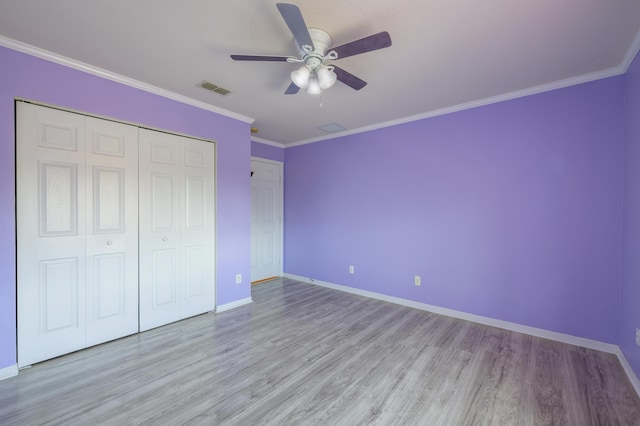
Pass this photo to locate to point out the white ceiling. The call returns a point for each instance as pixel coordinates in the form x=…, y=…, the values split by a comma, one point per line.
x=446, y=54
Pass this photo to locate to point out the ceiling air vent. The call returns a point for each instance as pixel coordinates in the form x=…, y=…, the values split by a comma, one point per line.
x=331, y=128
x=214, y=88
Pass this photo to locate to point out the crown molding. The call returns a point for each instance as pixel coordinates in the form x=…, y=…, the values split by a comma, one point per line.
x=572, y=81
x=622, y=68
x=631, y=53
x=90, y=69
x=267, y=142
x=100, y=72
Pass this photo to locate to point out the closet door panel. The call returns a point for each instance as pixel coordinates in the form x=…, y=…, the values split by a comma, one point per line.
x=160, y=223
x=112, y=230
x=176, y=228
x=51, y=226
x=198, y=227
x=165, y=280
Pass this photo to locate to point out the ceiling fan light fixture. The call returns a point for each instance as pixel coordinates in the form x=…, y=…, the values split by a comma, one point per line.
x=300, y=77
x=314, y=48
x=326, y=77
x=314, y=86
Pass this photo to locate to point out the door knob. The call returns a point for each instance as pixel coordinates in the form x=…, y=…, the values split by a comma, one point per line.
x=109, y=242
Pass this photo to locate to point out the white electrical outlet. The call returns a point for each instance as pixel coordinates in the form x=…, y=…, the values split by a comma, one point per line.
x=417, y=280
x=238, y=278
x=351, y=269
x=637, y=336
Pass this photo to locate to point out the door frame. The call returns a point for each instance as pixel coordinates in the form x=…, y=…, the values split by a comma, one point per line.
x=280, y=165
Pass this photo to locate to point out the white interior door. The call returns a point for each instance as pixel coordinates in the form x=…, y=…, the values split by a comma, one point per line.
x=176, y=228
x=266, y=219
x=77, y=232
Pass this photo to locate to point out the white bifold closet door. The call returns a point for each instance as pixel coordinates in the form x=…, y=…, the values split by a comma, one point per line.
x=77, y=218
x=177, y=265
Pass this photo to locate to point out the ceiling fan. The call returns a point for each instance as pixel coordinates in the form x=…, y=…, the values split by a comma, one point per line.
x=314, y=51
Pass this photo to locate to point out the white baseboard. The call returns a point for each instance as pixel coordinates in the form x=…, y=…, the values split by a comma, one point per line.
x=9, y=371
x=627, y=368
x=533, y=331
x=525, y=329
x=231, y=305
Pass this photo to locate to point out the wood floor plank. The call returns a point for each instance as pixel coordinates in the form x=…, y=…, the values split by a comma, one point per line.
x=548, y=393
x=302, y=354
x=498, y=392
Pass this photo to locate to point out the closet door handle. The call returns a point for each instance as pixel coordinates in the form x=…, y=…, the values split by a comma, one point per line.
x=165, y=239
x=109, y=242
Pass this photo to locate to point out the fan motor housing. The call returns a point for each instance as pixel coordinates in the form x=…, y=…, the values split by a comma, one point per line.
x=321, y=42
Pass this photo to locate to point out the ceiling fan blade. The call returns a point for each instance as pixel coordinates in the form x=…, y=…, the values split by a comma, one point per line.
x=349, y=79
x=367, y=44
x=259, y=58
x=292, y=89
x=293, y=17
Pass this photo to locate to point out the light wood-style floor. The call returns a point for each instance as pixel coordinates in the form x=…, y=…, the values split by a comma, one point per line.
x=302, y=354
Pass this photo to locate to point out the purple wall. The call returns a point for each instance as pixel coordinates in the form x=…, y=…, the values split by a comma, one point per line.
x=268, y=152
x=630, y=312
x=510, y=211
x=28, y=77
